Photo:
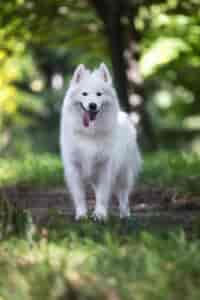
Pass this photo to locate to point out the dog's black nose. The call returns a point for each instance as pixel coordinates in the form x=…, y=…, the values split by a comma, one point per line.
x=92, y=106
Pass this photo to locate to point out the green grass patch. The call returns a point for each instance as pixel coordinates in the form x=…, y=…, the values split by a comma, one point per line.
x=179, y=170
x=40, y=170
x=99, y=261
x=89, y=261
x=170, y=169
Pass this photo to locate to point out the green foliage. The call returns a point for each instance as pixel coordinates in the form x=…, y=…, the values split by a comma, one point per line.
x=39, y=41
x=98, y=261
x=17, y=107
x=14, y=221
x=67, y=24
x=170, y=62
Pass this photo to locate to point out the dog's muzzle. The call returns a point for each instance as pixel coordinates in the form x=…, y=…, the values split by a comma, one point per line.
x=89, y=114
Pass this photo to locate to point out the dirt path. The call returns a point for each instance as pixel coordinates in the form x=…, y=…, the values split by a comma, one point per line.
x=150, y=206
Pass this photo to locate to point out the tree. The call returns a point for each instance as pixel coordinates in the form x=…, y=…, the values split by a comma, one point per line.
x=130, y=33
x=119, y=18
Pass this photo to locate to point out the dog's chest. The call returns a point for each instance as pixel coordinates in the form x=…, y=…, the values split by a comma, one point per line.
x=90, y=157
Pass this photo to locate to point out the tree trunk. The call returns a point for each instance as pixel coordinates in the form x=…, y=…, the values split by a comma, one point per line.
x=115, y=35
x=120, y=39
x=110, y=13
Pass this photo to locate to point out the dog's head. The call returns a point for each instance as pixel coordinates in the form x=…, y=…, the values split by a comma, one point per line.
x=92, y=97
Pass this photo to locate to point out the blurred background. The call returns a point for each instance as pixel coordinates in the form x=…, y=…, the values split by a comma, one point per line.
x=151, y=47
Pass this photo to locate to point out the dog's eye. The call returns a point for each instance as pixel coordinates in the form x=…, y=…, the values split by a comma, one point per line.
x=98, y=94
x=84, y=93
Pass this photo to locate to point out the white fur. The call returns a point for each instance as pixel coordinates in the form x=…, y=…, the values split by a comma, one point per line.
x=106, y=153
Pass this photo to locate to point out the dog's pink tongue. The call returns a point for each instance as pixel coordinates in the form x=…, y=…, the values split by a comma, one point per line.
x=86, y=118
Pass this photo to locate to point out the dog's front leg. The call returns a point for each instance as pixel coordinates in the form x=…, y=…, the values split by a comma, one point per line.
x=103, y=192
x=77, y=190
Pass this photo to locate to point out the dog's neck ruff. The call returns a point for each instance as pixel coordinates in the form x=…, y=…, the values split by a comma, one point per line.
x=94, y=133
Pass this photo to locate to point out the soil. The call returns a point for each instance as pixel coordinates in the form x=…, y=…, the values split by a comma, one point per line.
x=150, y=205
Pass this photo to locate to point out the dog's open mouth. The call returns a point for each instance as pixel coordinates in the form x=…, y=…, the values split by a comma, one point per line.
x=88, y=116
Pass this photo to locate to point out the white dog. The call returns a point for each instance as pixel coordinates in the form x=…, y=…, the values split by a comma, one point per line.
x=98, y=143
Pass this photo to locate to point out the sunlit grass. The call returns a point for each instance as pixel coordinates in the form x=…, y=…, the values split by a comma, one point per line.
x=66, y=260
x=40, y=170
x=167, y=169
x=95, y=261
x=180, y=170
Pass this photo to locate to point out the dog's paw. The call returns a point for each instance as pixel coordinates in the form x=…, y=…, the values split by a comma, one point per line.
x=124, y=213
x=81, y=214
x=100, y=213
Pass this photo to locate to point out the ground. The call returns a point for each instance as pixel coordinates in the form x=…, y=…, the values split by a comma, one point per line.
x=63, y=259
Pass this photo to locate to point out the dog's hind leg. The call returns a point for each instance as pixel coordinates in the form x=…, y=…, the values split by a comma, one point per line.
x=124, y=208
x=123, y=186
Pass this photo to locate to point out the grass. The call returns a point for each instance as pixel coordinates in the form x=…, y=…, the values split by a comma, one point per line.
x=179, y=170
x=35, y=170
x=113, y=261
x=86, y=261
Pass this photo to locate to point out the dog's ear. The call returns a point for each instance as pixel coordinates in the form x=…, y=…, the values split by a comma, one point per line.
x=105, y=73
x=78, y=74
